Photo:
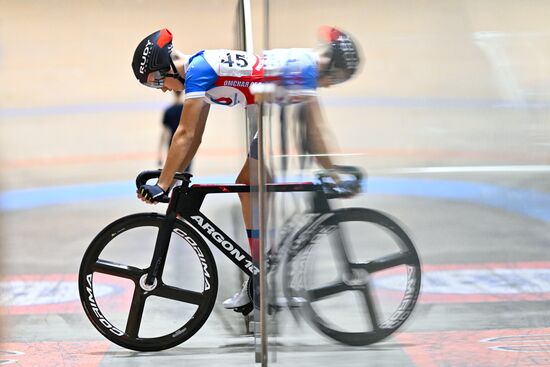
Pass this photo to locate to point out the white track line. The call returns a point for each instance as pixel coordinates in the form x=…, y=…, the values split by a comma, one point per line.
x=319, y=155
x=471, y=169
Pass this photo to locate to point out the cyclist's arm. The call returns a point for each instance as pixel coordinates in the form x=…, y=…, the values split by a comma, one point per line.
x=315, y=130
x=186, y=140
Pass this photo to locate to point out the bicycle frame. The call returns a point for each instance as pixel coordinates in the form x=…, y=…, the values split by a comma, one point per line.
x=322, y=230
x=185, y=204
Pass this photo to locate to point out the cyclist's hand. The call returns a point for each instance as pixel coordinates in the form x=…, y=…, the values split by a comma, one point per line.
x=341, y=181
x=346, y=189
x=335, y=177
x=152, y=194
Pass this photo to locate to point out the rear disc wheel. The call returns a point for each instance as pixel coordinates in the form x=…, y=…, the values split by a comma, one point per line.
x=358, y=275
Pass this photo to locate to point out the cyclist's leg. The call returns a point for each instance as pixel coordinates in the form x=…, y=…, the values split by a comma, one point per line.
x=249, y=204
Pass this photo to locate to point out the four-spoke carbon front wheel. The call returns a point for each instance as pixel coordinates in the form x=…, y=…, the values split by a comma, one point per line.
x=140, y=316
x=357, y=274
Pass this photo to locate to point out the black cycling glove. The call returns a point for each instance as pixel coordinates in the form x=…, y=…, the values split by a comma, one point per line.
x=153, y=193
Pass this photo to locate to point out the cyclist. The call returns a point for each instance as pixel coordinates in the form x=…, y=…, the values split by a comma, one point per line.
x=225, y=77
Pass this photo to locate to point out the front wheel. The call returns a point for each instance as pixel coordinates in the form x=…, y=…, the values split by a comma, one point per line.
x=356, y=273
x=130, y=312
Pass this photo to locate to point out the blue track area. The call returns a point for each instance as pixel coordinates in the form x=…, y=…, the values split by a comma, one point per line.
x=529, y=203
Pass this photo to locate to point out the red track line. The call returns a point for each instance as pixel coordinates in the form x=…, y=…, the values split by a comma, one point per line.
x=496, y=156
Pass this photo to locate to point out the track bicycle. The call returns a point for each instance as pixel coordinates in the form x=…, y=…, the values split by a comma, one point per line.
x=149, y=281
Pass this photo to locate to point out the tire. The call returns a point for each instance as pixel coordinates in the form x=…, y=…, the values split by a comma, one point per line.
x=162, y=317
x=388, y=285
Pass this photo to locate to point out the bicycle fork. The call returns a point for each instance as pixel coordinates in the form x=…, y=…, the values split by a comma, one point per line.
x=163, y=238
x=161, y=250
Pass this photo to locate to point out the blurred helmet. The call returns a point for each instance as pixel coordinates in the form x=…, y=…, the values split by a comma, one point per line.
x=152, y=55
x=344, y=54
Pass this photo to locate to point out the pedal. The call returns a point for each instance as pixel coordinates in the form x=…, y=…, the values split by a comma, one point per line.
x=284, y=302
x=245, y=310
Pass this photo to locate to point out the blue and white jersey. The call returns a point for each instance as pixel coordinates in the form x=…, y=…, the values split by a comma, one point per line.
x=294, y=71
x=224, y=76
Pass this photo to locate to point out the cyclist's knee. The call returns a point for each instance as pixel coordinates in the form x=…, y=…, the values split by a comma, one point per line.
x=243, y=179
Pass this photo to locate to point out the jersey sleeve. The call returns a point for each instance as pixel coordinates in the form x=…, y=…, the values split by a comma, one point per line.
x=199, y=76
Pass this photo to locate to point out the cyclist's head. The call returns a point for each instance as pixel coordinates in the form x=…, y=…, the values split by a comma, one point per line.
x=152, y=56
x=342, y=53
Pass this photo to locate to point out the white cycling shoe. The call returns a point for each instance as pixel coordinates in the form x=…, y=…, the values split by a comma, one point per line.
x=239, y=299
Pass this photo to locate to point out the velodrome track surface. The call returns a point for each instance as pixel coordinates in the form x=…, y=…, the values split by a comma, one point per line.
x=449, y=117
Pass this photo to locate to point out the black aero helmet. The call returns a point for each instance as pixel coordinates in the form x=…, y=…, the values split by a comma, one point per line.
x=152, y=55
x=344, y=54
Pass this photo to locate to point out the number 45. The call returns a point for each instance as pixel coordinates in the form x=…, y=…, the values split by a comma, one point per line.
x=240, y=62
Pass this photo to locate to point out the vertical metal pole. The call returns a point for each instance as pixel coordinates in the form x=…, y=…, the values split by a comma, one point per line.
x=247, y=42
x=266, y=24
x=247, y=13
x=262, y=207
